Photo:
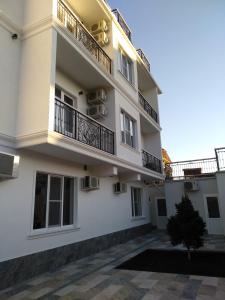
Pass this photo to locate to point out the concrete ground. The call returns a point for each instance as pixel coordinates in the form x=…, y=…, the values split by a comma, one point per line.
x=96, y=278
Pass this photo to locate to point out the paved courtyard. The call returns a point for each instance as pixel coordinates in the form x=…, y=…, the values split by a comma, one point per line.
x=96, y=278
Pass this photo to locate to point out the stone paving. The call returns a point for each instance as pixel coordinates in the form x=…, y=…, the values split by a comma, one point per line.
x=95, y=277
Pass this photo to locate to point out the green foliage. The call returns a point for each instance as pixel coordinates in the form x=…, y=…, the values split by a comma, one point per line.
x=186, y=227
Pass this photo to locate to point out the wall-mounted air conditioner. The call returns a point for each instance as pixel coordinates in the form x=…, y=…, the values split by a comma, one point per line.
x=89, y=183
x=97, y=111
x=101, y=26
x=119, y=188
x=8, y=165
x=102, y=38
x=96, y=97
x=191, y=186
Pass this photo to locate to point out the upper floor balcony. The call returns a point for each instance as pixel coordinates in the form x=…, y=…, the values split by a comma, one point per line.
x=148, y=108
x=81, y=34
x=144, y=59
x=75, y=125
x=151, y=162
x=122, y=23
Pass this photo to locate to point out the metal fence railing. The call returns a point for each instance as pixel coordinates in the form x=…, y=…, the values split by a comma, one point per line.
x=220, y=156
x=148, y=108
x=151, y=162
x=144, y=59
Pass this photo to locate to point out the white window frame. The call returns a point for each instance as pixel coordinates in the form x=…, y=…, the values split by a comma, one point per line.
x=126, y=65
x=67, y=94
x=55, y=229
x=133, y=213
x=128, y=136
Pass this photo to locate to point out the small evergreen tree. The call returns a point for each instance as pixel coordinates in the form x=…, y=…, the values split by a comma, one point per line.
x=186, y=227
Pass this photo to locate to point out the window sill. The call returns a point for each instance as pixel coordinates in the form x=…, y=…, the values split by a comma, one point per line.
x=35, y=234
x=129, y=147
x=130, y=83
x=133, y=219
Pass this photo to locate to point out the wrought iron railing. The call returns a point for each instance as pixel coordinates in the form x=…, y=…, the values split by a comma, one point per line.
x=122, y=23
x=144, y=59
x=220, y=157
x=77, y=29
x=151, y=162
x=73, y=124
x=147, y=107
x=191, y=168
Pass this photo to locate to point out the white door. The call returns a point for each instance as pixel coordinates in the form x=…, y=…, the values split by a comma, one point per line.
x=161, y=209
x=213, y=215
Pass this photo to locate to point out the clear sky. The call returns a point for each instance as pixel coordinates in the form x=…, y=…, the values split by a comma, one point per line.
x=185, y=43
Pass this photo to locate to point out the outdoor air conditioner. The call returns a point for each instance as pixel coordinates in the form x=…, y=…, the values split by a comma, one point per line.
x=101, y=26
x=89, y=183
x=8, y=165
x=191, y=186
x=102, y=38
x=97, y=111
x=119, y=188
x=96, y=97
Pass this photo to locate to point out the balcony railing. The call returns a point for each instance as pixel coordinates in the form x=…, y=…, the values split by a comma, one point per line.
x=77, y=29
x=220, y=157
x=122, y=23
x=147, y=107
x=73, y=124
x=144, y=59
x=151, y=162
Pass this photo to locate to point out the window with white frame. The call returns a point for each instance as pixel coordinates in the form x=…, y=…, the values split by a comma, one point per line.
x=126, y=65
x=128, y=129
x=136, y=202
x=54, y=201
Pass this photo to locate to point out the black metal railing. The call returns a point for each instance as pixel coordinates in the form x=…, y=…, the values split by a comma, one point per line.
x=144, y=59
x=147, y=107
x=191, y=168
x=151, y=162
x=77, y=29
x=220, y=157
x=73, y=124
x=122, y=23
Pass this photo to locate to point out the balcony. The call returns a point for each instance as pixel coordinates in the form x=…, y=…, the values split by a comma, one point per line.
x=147, y=107
x=151, y=162
x=122, y=23
x=77, y=126
x=77, y=29
x=144, y=59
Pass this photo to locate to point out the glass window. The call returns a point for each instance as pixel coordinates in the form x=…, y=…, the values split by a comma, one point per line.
x=125, y=65
x=161, y=205
x=128, y=128
x=213, y=207
x=136, y=202
x=54, y=201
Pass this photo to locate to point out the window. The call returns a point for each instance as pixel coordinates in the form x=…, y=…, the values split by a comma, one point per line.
x=54, y=201
x=65, y=115
x=161, y=205
x=213, y=207
x=125, y=65
x=128, y=128
x=136, y=202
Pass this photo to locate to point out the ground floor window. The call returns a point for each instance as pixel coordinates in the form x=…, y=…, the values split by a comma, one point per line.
x=136, y=202
x=54, y=201
x=161, y=206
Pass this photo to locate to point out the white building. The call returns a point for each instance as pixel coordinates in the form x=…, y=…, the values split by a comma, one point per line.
x=50, y=65
x=203, y=180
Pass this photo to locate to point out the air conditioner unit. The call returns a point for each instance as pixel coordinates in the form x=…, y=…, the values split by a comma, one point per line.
x=89, y=183
x=102, y=38
x=191, y=186
x=97, y=111
x=96, y=97
x=119, y=188
x=8, y=165
x=101, y=26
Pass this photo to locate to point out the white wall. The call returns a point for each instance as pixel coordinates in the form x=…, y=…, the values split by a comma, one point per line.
x=99, y=212
x=220, y=178
x=152, y=143
x=14, y=10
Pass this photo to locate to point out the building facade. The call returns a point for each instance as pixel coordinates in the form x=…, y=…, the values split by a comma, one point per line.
x=79, y=133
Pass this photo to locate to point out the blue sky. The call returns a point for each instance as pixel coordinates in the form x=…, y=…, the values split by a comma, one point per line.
x=185, y=43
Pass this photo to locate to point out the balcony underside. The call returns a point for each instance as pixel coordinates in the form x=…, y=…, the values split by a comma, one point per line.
x=64, y=148
x=148, y=125
x=72, y=60
x=145, y=80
